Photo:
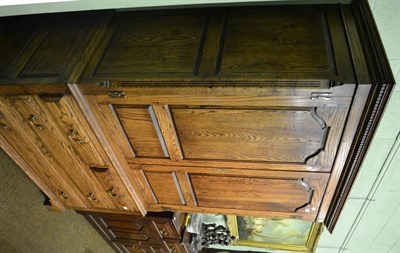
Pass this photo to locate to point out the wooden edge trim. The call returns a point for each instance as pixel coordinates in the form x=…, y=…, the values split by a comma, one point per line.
x=377, y=100
x=187, y=188
x=379, y=67
x=178, y=187
x=344, y=148
x=84, y=106
x=11, y=152
x=166, y=124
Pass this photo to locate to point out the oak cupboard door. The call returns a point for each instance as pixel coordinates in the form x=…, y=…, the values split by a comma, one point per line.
x=265, y=193
x=54, y=146
x=242, y=127
x=71, y=121
x=19, y=137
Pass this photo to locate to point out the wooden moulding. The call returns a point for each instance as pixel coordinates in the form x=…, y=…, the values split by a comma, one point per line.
x=382, y=82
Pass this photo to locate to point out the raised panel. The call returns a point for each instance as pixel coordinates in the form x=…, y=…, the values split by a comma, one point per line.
x=269, y=135
x=269, y=194
x=153, y=45
x=13, y=41
x=142, y=130
x=59, y=47
x=293, y=44
x=165, y=187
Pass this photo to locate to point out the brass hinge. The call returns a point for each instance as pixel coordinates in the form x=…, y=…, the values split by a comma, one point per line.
x=321, y=95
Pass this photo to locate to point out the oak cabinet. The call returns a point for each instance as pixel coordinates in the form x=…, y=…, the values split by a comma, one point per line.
x=257, y=111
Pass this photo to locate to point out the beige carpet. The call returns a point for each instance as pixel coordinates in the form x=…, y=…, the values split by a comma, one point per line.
x=27, y=226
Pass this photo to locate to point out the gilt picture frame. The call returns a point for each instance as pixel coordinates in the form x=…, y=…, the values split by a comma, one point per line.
x=275, y=234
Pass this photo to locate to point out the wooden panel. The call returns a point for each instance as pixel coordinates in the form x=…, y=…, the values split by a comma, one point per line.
x=153, y=45
x=249, y=135
x=165, y=187
x=268, y=194
x=277, y=44
x=240, y=191
x=143, y=131
x=59, y=47
x=15, y=34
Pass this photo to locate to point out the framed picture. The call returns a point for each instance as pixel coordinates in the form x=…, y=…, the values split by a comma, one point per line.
x=278, y=234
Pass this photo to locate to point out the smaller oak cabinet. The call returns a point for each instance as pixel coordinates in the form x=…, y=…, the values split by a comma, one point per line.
x=157, y=232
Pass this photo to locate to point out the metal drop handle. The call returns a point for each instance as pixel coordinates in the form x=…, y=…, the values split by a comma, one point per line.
x=71, y=135
x=92, y=197
x=111, y=193
x=63, y=195
x=32, y=119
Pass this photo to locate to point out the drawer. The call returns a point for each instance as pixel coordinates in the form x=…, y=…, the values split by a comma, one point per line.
x=129, y=236
x=166, y=229
x=175, y=247
x=122, y=225
x=74, y=126
x=136, y=247
x=112, y=184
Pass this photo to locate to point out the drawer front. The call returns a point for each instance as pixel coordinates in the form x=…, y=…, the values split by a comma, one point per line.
x=73, y=124
x=257, y=193
x=166, y=229
x=174, y=247
x=54, y=145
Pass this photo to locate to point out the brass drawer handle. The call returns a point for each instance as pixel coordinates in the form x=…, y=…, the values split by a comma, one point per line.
x=71, y=135
x=4, y=126
x=92, y=197
x=172, y=250
x=32, y=119
x=63, y=195
x=163, y=232
x=111, y=193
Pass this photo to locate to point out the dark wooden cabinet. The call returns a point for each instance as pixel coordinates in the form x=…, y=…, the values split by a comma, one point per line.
x=157, y=232
x=260, y=111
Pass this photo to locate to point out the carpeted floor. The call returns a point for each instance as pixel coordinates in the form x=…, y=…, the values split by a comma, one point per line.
x=27, y=226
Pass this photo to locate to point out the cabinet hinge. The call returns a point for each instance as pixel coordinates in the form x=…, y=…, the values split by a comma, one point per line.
x=321, y=95
x=117, y=94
